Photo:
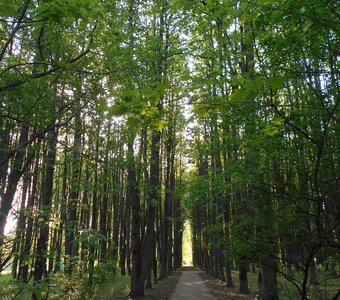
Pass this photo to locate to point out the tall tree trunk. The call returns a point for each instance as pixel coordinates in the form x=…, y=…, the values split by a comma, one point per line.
x=243, y=278
x=5, y=135
x=178, y=233
x=40, y=271
x=147, y=245
x=94, y=212
x=13, y=178
x=71, y=226
x=25, y=255
x=137, y=289
x=115, y=201
x=166, y=232
x=19, y=231
x=122, y=234
x=104, y=211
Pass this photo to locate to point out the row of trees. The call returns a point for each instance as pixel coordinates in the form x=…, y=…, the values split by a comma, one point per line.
x=265, y=170
x=93, y=147
x=91, y=138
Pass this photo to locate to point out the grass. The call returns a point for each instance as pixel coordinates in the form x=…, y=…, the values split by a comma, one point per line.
x=8, y=286
x=287, y=290
x=119, y=287
x=63, y=288
x=325, y=290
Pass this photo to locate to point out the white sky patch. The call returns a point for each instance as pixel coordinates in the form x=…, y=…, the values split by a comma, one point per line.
x=11, y=221
x=10, y=224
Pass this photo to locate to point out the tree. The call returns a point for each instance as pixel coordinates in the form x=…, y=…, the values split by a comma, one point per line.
x=99, y=156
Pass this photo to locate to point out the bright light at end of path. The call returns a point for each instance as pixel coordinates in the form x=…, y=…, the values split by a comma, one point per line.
x=187, y=244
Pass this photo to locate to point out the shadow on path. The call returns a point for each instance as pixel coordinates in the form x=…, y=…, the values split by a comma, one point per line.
x=191, y=286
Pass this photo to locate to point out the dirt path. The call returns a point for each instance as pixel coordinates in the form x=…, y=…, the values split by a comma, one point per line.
x=191, y=286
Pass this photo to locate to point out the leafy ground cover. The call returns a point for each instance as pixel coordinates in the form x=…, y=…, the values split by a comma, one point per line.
x=118, y=287
x=62, y=287
x=326, y=288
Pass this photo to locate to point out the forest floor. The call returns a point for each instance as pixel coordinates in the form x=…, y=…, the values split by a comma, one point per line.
x=165, y=288
x=220, y=291
x=191, y=286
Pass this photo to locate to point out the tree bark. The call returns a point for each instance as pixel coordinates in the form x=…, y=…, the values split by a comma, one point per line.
x=25, y=256
x=133, y=193
x=13, y=178
x=71, y=247
x=40, y=270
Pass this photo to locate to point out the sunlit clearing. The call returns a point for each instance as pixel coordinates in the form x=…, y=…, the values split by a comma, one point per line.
x=187, y=245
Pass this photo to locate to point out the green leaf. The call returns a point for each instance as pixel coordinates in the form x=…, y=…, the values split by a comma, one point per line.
x=238, y=95
x=129, y=95
x=182, y=5
x=278, y=120
x=133, y=122
x=276, y=83
x=118, y=109
x=147, y=92
x=158, y=124
x=8, y=9
x=271, y=130
x=56, y=11
x=150, y=94
x=201, y=111
x=150, y=111
x=102, y=105
x=162, y=86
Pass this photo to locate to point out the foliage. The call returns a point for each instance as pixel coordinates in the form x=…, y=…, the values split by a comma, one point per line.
x=119, y=117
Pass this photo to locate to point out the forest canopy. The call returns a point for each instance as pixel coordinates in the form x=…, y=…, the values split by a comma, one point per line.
x=122, y=121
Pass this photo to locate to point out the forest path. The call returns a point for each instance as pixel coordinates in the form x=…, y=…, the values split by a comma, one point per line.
x=191, y=286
